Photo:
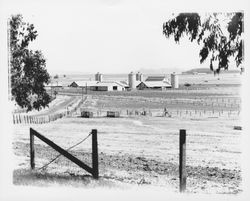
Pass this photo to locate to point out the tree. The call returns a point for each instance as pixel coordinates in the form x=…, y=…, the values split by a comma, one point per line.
x=27, y=67
x=219, y=43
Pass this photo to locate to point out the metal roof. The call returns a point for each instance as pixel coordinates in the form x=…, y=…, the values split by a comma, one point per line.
x=152, y=84
x=84, y=83
x=109, y=83
x=155, y=78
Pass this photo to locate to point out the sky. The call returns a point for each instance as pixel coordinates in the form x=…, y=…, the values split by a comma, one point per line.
x=108, y=36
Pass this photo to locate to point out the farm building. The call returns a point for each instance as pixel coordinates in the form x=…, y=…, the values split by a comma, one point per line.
x=108, y=86
x=153, y=85
x=154, y=82
x=156, y=79
x=100, y=86
x=83, y=84
x=55, y=84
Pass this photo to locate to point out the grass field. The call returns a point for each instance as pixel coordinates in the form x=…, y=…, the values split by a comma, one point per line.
x=143, y=150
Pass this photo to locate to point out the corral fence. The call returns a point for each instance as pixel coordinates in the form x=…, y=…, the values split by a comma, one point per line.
x=42, y=119
x=94, y=170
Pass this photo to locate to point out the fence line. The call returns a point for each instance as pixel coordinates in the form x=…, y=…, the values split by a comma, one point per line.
x=42, y=119
x=173, y=113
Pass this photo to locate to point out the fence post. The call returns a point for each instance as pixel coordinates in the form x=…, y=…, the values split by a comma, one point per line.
x=95, y=154
x=32, y=150
x=182, y=161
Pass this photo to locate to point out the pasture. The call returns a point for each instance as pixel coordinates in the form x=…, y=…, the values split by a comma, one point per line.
x=142, y=150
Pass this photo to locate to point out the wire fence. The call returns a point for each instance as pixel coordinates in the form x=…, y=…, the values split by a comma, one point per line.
x=170, y=113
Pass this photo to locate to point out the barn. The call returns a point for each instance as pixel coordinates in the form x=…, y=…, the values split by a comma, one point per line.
x=108, y=86
x=154, y=82
x=83, y=84
x=157, y=79
x=154, y=85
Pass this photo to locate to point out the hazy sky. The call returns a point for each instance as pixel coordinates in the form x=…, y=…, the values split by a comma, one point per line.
x=109, y=36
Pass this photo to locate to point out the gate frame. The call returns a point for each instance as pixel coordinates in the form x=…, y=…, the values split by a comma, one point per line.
x=94, y=170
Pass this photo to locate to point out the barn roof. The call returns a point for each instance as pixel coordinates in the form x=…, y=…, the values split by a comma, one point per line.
x=109, y=83
x=155, y=78
x=84, y=83
x=124, y=83
x=152, y=84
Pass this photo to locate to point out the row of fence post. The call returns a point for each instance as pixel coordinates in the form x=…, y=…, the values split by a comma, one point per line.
x=172, y=113
x=26, y=119
x=29, y=119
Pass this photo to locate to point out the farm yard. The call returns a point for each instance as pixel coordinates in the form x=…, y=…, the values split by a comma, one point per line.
x=141, y=146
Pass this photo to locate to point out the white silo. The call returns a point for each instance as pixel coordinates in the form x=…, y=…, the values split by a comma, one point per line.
x=131, y=80
x=100, y=77
x=139, y=77
x=97, y=76
x=174, y=81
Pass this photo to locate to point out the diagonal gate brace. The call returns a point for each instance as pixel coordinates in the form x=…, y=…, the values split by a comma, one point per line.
x=94, y=170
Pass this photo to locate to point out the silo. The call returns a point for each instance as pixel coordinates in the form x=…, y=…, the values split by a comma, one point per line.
x=139, y=77
x=131, y=80
x=100, y=77
x=97, y=76
x=174, y=81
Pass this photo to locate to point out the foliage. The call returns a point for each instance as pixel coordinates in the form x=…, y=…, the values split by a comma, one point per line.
x=28, y=67
x=218, y=44
x=56, y=77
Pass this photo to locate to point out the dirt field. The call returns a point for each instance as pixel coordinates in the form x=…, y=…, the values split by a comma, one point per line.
x=143, y=150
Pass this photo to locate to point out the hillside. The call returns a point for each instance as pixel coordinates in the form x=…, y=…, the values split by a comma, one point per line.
x=207, y=71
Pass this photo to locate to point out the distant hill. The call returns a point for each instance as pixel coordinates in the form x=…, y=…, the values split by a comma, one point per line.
x=207, y=71
x=159, y=70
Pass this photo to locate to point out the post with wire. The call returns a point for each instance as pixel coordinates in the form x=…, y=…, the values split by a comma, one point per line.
x=95, y=167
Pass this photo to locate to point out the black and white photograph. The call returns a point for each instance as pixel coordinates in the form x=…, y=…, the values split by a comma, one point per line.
x=124, y=100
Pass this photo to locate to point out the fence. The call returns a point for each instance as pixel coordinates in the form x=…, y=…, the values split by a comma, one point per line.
x=42, y=119
x=94, y=170
x=171, y=113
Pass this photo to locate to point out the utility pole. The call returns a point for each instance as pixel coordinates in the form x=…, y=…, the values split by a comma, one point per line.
x=82, y=93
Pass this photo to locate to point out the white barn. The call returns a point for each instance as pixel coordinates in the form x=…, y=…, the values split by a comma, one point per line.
x=108, y=86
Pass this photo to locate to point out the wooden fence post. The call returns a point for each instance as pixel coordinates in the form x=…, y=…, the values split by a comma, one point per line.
x=95, y=154
x=32, y=150
x=182, y=161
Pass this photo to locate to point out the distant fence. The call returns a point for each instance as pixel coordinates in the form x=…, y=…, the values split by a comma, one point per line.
x=171, y=113
x=42, y=119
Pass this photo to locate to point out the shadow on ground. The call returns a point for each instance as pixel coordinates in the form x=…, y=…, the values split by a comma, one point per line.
x=39, y=178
